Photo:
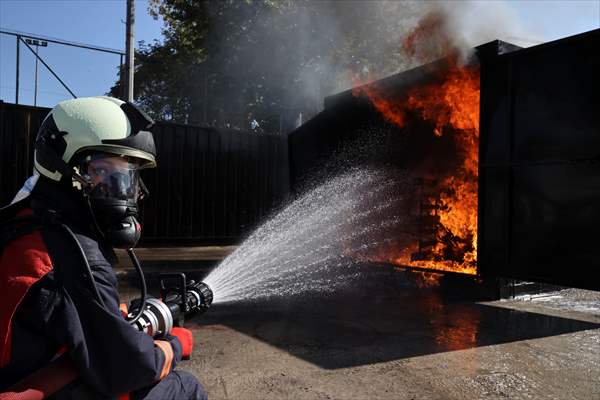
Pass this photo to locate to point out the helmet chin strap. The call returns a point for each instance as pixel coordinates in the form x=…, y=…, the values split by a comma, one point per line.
x=79, y=179
x=84, y=186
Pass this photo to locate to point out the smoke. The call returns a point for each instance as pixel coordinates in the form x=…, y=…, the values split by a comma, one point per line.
x=303, y=51
x=472, y=23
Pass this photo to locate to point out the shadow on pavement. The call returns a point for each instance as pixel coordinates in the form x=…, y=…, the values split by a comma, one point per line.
x=377, y=322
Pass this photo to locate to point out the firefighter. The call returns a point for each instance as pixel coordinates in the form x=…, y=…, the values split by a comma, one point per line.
x=56, y=278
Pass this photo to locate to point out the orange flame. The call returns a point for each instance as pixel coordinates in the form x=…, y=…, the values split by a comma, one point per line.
x=449, y=105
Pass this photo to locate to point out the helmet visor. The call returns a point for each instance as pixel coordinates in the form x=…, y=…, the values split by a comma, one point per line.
x=113, y=177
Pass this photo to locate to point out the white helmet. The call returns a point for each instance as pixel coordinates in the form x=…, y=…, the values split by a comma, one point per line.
x=96, y=146
x=102, y=124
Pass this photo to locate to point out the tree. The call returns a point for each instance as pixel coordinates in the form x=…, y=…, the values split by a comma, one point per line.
x=226, y=62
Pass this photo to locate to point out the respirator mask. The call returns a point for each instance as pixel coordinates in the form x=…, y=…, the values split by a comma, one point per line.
x=113, y=189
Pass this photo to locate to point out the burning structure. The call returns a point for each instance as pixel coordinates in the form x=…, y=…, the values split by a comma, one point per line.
x=502, y=152
x=446, y=104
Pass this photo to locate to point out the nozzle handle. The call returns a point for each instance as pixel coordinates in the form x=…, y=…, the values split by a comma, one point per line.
x=182, y=288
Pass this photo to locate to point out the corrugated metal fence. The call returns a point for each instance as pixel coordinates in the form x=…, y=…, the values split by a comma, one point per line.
x=211, y=186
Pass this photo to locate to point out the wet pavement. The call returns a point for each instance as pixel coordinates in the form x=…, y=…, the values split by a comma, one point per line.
x=378, y=339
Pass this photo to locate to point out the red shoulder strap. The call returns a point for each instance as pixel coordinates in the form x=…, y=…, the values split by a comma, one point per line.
x=24, y=261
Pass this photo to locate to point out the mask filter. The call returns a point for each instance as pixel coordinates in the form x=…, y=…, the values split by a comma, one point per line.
x=118, y=221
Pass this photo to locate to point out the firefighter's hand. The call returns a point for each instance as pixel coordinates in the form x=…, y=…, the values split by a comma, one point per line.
x=186, y=339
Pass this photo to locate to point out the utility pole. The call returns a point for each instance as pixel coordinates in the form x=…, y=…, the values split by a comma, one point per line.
x=129, y=48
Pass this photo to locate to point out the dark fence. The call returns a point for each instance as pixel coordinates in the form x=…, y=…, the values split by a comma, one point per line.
x=211, y=186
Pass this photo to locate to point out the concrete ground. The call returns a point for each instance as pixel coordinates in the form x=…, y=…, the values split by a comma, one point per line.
x=383, y=339
x=179, y=254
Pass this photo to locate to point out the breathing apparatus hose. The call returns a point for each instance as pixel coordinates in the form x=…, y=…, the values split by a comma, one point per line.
x=88, y=270
x=90, y=276
x=138, y=268
x=158, y=317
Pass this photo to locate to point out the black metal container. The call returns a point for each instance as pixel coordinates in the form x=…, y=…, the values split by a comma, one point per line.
x=539, y=157
x=539, y=177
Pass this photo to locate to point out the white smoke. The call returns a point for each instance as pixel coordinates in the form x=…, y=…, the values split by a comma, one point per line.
x=322, y=46
x=472, y=23
x=385, y=24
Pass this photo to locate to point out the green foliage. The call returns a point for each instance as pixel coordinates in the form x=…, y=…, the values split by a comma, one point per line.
x=225, y=62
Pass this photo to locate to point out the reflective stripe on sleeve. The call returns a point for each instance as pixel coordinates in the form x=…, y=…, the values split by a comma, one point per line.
x=168, y=352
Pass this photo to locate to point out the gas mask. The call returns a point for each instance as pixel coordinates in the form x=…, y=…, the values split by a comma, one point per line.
x=113, y=189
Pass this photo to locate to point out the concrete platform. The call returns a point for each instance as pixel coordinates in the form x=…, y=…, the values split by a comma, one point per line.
x=376, y=340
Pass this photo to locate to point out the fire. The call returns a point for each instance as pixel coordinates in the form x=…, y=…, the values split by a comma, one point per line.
x=429, y=40
x=451, y=106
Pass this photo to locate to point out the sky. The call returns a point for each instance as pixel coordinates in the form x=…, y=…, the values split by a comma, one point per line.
x=101, y=23
x=86, y=72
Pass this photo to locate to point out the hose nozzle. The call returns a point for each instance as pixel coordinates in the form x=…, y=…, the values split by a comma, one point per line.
x=205, y=297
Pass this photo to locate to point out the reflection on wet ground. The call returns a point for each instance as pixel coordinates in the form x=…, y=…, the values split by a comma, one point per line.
x=376, y=322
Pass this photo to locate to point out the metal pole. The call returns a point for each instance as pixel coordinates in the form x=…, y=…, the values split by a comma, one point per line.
x=17, y=71
x=129, y=44
x=36, y=77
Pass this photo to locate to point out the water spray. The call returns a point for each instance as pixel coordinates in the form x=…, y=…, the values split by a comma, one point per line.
x=308, y=246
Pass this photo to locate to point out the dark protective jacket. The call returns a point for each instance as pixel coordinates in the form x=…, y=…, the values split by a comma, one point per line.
x=59, y=309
